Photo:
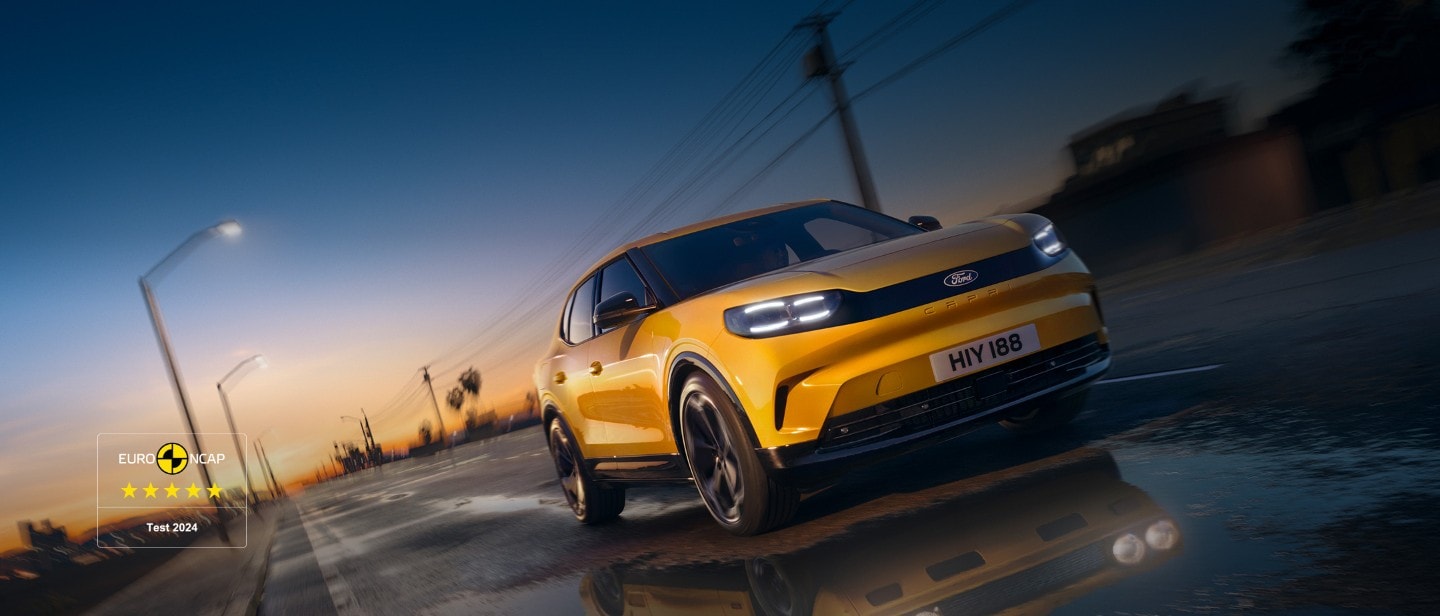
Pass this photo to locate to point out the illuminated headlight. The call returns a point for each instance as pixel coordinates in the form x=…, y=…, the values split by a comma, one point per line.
x=1047, y=239
x=1162, y=535
x=1128, y=549
x=781, y=316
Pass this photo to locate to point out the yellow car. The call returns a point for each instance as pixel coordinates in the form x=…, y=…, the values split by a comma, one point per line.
x=756, y=353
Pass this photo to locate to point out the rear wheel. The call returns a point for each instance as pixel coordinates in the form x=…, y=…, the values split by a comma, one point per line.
x=1046, y=416
x=591, y=503
x=740, y=494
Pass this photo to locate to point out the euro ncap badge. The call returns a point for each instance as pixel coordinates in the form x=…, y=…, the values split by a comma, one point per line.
x=172, y=458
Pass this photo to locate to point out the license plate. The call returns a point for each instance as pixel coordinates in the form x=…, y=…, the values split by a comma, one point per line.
x=983, y=353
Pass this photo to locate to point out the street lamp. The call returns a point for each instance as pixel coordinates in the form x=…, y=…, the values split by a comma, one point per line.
x=275, y=487
x=230, y=418
x=228, y=228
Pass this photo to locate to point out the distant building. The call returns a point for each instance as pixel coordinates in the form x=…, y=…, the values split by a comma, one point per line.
x=1359, y=147
x=49, y=546
x=1121, y=143
x=1156, y=183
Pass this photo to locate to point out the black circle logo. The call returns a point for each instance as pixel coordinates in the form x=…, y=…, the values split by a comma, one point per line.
x=171, y=458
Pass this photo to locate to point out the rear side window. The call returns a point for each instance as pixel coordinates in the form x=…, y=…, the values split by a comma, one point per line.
x=578, y=326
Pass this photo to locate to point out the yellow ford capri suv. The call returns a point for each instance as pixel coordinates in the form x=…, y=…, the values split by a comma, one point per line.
x=770, y=350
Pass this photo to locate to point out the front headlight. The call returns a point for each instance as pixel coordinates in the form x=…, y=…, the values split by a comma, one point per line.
x=1048, y=240
x=782, y=316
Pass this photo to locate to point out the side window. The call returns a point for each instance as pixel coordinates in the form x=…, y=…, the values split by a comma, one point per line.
x=578, y=326
x=621, y=277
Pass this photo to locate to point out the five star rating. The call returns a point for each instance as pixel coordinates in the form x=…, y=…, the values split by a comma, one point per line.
x=171, y=491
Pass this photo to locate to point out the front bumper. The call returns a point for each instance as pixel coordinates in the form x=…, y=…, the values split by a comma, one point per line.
x=941, y=412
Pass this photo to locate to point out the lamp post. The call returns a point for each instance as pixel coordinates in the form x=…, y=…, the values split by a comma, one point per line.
x=228, y=228
x=230, y=418
x=269, y=470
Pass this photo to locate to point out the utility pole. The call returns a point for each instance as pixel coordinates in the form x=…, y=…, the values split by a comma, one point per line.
x=445, y=437
x=820, y=62
x=370, y=448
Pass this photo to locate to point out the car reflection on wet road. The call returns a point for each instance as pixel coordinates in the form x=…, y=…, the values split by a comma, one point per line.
x=1300, y=474
x=1032, y=538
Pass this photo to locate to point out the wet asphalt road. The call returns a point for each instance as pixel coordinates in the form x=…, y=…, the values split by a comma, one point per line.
x=1302, y=474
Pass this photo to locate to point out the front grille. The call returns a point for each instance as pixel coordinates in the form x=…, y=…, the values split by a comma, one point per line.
x=964, y=397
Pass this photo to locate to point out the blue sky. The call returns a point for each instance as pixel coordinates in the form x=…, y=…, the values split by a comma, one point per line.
x=408, y=173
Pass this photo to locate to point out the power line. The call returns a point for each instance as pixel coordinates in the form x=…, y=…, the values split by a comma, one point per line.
x=707, y=173
x=770, y=166
x=891, y=28
x=738, y=104
x=697, y=145
x=1003, y=13
x=678, y=156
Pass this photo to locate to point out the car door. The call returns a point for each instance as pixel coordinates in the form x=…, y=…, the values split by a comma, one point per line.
x=625, y=374
x=567, y=371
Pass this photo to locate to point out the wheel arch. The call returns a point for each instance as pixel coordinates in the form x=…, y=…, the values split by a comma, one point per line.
x=681, y=367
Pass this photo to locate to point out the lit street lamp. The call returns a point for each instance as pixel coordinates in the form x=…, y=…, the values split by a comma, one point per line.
x=230, y=418
x=228, y=228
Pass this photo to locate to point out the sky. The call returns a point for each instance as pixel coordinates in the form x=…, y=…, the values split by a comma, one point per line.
x=419, y=182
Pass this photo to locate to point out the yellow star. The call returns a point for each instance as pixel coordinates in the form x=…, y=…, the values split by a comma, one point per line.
x=129, y=490
x=150, y=490
x=214, y=491
x=172, y=491
x=192, y=490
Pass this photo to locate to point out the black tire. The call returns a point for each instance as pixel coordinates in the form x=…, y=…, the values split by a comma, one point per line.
x=591, y=503
x=1048, y=416
x=607, y=591
x=779, y=588
x=740, y=494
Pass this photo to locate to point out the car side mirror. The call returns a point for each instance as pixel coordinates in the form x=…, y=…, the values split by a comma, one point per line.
x=618, y=309
x=927, y=223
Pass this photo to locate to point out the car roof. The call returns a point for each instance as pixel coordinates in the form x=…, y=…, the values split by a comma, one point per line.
x=701, y=226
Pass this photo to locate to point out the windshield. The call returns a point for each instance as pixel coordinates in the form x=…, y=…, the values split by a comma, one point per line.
x=698, y=262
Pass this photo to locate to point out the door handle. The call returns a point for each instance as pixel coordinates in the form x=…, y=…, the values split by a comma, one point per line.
x=560, y=377
x=596, y=367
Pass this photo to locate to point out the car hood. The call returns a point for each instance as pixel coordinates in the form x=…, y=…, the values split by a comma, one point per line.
x=877, y=265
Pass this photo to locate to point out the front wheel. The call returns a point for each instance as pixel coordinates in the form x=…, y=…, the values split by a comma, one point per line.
x=591, y=503
x=740, y=494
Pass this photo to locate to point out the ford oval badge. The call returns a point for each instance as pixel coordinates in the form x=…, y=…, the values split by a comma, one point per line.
x=961, y=278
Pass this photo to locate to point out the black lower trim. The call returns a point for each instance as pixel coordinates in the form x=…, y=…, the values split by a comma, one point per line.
x=646, y=469
x=942, y=412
